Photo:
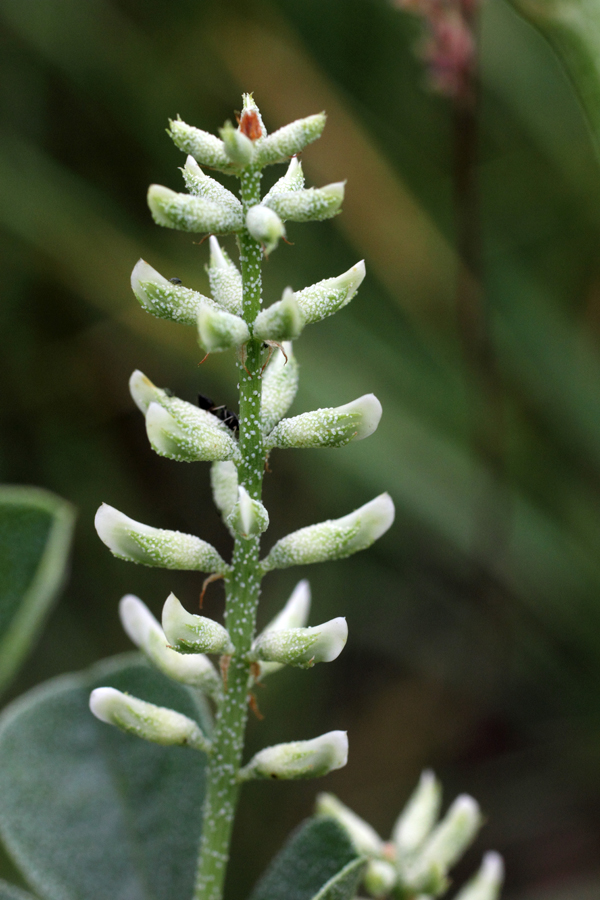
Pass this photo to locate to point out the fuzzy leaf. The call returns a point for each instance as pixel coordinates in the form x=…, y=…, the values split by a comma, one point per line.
x=35, y=538
x=344, y=885
x=11, y=892
x=87, y=811
x=315, y=853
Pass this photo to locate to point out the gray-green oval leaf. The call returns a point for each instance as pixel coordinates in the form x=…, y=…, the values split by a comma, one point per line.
x=11, y=892
x=344, y=885
x=35, y=538
x=89, y=812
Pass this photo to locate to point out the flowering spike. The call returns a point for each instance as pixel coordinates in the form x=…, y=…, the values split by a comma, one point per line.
x=225, y=279
x=328, y=427
x=328, y=296
x=162, y=298
x=219, y=330
x=363, y=836
x=224, y=483
x=135, y=542
x=293, y=180
x=487, y=883
x=142, y=628
x=248, y=517
x=193, y=634
x=184, y=212
x=202, y=185
x=334, y=539
x=205, y=442
x=309, y=204
x=153, y=723
x=238, y=146
x=302, y=647
x=265, y=226
x=280, y=322
x=418, y=816
x=206, y=149
x=280, y=383
x=289, y=140
x=299, y=759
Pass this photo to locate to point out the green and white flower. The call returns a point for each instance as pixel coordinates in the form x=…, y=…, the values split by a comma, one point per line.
x=333, y=427
x=185, y=212
x=193, y=634
x=163, y=299
x=299, y=759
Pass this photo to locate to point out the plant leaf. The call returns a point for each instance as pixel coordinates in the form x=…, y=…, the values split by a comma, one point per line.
x=35, y=537
x=316, y=853
x=11, y=892
x=87, y=811
x=572, y=28
x=344, y=885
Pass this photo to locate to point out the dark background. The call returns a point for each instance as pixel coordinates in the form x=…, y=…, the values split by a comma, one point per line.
x=475, y=622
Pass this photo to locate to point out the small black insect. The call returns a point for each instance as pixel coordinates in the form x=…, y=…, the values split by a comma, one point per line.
x=226, y=416
x=175, y=280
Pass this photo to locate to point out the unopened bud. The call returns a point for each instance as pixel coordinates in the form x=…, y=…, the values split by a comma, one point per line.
x=365, y=839
x=380, y=877
x=193, y=634
x=289, y=140
x=206, y=149
x=184, y=212
x=162, y=298
x=293, y=615
x=138, y=543
x=224, y=483
x=418, y=816
x=334, y=539
x=265, y=226
x=225, y=279
x=279, y=387
x=145, y=720
x=302, y=647
x=293, y=180
x=328, y=296
x=144, y=392
x=309, y=204
x=205, y=441
x=238, y=147
x=248, y=517
x=202, y=185
x=299, y=759
x=280, y=322
x=219, y=330
x=333, y=427
x=487, y=883
x=251, y=123
x=142, y=628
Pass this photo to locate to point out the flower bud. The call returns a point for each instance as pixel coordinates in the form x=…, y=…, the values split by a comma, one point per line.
x=380, y=877
x=302, y=647
x=309, y=204
x=289, y=140
x=365, y=839
x=248, y=517
x=193, y=634
x=293, y=615
x=206, y=149
x=225, y=279
x=224, y=483
x=238, y=147
x=265, y=226
x=145, y=720
x=299, y=759
x=184, y=212
x=195, y=670
x=293, y=180
x=418, y=816
x=205, y=441
x=333, y=427
x=279, y=386
x=445, y=845
x=202, y=185
x=144, y=392
x=130, y=540
x=251, y=123
x=280, y=322
x=219, y=330
x=328, y=296
x=162, y=298
x=334, y=539
x=487, y=883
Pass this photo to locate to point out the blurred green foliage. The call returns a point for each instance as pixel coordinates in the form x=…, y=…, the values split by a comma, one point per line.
x=475, y=623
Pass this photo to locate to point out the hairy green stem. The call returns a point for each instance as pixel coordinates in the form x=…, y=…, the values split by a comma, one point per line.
x=242, y=590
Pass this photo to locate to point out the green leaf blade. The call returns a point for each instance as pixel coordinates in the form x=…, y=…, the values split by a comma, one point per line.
x=12, y=892
x=344, y=885
x=87, y=811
